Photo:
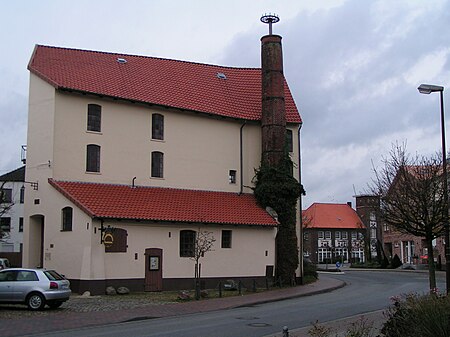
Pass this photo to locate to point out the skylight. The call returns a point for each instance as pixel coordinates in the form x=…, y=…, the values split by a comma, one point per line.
x=222, y=76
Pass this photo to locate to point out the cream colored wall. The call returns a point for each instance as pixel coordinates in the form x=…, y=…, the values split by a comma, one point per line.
x=198, y=151
x=247, y=257
x=39, y=156
x=65, y=251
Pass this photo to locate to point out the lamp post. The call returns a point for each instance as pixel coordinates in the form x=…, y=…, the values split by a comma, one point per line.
x=428, y=89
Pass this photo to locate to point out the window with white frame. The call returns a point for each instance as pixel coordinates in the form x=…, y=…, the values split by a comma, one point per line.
x=337, y=235
x=327, y=235
x=320, y=235
x=94, y=118
x=157, y=126
x=93, y=158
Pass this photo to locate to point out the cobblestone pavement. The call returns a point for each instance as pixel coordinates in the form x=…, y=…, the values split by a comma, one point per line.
x=79, y=303
x=82, y=311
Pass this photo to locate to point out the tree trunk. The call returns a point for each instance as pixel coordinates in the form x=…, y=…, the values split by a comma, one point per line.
x=431, y=266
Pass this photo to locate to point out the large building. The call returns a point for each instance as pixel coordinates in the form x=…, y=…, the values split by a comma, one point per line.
x=333, y=233
x=133, y=156
x=11, y=220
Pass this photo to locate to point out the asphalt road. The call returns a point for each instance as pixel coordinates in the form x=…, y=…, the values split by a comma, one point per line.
x=366, y=291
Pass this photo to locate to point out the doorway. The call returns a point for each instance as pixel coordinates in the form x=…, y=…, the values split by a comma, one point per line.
x=153, y=269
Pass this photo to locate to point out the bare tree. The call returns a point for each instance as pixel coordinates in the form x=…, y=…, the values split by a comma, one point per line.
x=412, y=197
x=5, y=206
x=204, y=242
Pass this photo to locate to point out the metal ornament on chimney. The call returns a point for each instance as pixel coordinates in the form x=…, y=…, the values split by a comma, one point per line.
x=269, y=19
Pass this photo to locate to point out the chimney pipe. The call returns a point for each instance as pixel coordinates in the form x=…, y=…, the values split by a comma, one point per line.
x=273, y=121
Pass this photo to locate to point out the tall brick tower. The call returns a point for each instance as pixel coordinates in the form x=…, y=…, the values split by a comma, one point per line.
x=273, y=121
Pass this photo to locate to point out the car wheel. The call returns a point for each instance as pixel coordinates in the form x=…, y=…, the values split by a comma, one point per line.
x=54, y=304
x=35, y=301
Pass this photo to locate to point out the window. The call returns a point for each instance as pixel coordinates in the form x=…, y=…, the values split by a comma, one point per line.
x=120, y=241
x=327, y=235
x=344, y=235
x=289, y=140
x=5, y=224
x=25, y=275
x=93, y=158
x=226, y=239
x=66, y=215
x=187, y=243
x=94, y=117
x=373, y=216
x=157, y=164
x=22, y=194
x=353, y=235
x=232, y=177
x=157, y=126
x=337, y=235
x=321, y=235
x=20, y=224
x=6, y=195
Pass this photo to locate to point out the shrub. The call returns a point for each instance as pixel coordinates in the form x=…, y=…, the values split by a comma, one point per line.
x=310, y=269
x=418, y=316
x=396, y=262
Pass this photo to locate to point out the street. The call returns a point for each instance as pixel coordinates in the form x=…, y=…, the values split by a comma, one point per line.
x=366, y=291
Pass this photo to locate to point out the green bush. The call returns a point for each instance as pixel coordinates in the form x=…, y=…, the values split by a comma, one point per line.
x=310, y=269
x=418, y=316
x=396, y=262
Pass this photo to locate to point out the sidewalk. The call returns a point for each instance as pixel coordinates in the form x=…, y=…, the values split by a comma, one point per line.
x=69, y=320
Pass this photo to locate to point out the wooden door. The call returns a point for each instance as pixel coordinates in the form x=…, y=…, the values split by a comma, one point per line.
x=153, y=269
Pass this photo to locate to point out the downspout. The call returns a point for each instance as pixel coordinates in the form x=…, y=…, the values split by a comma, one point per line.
x=241, y=163
x=300, y=239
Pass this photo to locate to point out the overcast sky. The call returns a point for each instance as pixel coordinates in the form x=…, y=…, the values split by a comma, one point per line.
x=353, y=67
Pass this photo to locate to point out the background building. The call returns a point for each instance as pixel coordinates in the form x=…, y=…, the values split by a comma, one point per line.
x=11, y=222
x=333, y=232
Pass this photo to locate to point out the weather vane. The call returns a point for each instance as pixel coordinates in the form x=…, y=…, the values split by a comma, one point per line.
x=269, y=19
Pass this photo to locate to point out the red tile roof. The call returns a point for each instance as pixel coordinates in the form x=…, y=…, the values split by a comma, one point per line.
x=171, y=83
x=331, y=216
x=164, y=204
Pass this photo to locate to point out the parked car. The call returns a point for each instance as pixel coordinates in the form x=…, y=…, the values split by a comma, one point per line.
x=4, y=263
x=33, y=287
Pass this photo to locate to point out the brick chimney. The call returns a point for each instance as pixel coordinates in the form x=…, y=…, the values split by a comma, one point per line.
x=273, y=121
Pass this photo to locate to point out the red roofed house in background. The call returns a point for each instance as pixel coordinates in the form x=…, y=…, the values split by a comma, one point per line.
x=132, y=155
x=333, y=232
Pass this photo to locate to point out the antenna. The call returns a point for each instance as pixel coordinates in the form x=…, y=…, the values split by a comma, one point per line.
x=269, y=19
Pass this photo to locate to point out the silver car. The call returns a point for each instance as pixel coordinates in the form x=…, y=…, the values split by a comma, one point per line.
x=33, y=287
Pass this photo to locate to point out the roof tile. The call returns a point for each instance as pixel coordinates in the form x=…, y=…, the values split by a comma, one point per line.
x=171, y=83
x=336, y=216
x=164, y=204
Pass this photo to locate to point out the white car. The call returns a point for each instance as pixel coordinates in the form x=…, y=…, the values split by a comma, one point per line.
x=33, y=287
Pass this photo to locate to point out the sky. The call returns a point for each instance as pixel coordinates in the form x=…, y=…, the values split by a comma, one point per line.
x=353, y=67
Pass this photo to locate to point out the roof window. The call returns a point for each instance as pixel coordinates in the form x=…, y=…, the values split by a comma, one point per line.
x=221, y=76
x=121, y=60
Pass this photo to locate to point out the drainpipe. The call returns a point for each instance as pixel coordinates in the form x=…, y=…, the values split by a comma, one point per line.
x=300, y=239
x=241, y=158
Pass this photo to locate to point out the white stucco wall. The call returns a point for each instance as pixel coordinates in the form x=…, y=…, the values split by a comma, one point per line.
x=198, y=152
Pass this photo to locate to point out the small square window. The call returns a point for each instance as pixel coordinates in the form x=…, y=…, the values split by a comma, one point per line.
x=226, y=239
x=6, y=195
x=5, y=224
x=232, y=177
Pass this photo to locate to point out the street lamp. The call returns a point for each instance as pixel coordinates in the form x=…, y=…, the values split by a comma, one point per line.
x=428, y=89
